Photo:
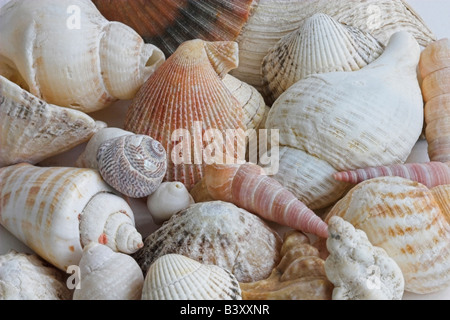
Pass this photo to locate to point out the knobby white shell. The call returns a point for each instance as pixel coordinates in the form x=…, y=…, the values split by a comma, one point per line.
x=176, y=277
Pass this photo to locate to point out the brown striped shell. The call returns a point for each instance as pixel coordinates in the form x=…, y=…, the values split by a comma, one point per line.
x=134, y=165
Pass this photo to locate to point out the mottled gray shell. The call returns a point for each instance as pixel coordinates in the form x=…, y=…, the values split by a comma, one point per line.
x=134, y=165
x=217, y=233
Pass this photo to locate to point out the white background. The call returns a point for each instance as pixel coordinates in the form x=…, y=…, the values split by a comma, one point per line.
x=436, y=13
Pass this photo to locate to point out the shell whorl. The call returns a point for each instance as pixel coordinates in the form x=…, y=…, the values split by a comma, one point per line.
x=134, y=165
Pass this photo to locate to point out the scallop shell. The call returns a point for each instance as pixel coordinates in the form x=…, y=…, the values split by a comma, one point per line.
x=409, y=221
x=27, y=277
x=32, y=130
x=299, y=276
x=320, y=45
x=201, y=102
x=216, y=233
x=176, y=277
x=134, y=165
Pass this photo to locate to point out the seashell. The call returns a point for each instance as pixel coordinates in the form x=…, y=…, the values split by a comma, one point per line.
x=359, y=270
x=73, y=57
x=58, y=211
x=168, y=199
x=216, y=233
x=202, y=102
x=32, y=130
x=430, y=174
x=299, y=276
x=248, y=187
x=27, y=277
x=134, y=165
x=409, y=221
x=176, y=277
x=320, y=45
x=435, y=70
x=108, y=275
x=350, y=120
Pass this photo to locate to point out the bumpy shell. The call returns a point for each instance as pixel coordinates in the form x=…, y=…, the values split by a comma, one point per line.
x=435, y=71
x=133, y=165
x=359, y=270
x=32, y=130
x=299, y=276
x=108, y=275
x=27, y=277
x=216, y=233
x=409, y=221
x=186, y=96
x=57, y=211
x=320, y=45
x=73, y=57
x=176, y=277
x=352, y=120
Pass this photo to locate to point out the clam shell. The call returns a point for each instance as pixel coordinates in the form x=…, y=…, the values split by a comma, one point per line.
x=176, y=277
x=216, y=233
x=320, y=45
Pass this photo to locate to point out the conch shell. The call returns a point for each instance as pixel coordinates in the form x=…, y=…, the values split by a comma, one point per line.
x=32, y=130
x=435, y=70
x=299, y=276
x=350, y=120
x=58, y=211
x=409, y=221
x=66, y=53
x=108, y=275
x=176, y=277
x=186, y=93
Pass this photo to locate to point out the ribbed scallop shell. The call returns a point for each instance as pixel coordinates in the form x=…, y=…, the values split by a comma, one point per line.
x=184, y=94
x=176, y=277
x=410, y=222
x=134, y=165
x=216, y=233
x=320, y=45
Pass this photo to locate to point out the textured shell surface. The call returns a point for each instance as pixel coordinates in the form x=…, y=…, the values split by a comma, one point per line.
x=32, y=130
x=352, y=120
x=108, y=275
x=134, y=165
x=409, y=221
x=320, y=45
x=27, y=277
x=186, y=97
x=300, y=274
x=78, y=60
x=216, y=233
x=176, y=277
x=359, y=270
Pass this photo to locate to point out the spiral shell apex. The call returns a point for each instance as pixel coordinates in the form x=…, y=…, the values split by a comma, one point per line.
x=134, y=165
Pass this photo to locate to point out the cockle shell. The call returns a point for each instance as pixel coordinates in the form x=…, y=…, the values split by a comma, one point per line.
x=435, y=70
x=108, y=275
x=134, y=165
x=176, y=277
x=351, y=120
x=186, y=96
x=170, y=198
x=216, y=233
x=32, y=130
x=73, y=57
x=27, y=277
x=299, y=276
x=58, y=211
x=409, y=221
x=359, y=270
x=320, y=45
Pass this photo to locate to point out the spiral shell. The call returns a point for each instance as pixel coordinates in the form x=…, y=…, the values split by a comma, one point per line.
x=176, y=277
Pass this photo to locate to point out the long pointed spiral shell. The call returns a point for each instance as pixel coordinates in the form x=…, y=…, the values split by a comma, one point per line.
x=57, y=211
x=249, y=188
